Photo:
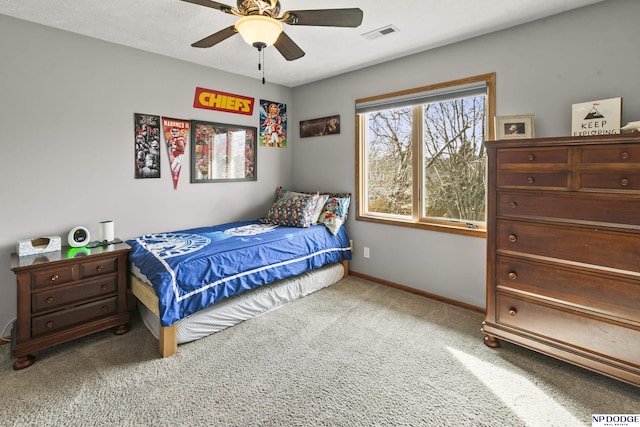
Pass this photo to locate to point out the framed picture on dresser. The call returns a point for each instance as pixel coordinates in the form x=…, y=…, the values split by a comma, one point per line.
x=515, y=127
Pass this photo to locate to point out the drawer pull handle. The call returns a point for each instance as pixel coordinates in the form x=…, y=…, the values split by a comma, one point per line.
x=100, y=267
x=513, y=205
x=104, y=309
x=531, y=157
x=624, y=182
x=513, y=311
x=49, y=324
x=512, y=238
x=625, y=155
x=531, y=180
x=54, y=277
x=513, y=275
x=103, y=287
x=49, y=300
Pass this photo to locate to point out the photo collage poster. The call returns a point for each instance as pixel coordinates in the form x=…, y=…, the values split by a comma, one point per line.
x=273, y=124
x=147, y=146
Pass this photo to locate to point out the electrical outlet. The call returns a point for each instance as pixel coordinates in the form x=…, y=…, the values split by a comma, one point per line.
x=366, y=252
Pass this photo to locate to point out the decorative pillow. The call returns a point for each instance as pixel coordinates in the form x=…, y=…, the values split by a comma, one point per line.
x=322, y=199
x=292, y=210
x=334, y=213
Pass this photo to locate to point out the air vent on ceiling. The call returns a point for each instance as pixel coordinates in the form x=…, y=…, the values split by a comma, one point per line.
x=384, y=31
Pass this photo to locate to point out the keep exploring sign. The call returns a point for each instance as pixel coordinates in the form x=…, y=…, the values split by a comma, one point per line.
x=596, y=117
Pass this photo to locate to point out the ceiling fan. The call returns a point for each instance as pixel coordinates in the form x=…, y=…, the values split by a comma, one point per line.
x=260, y=24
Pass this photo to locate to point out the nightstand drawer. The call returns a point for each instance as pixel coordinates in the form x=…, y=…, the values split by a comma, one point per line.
x=49, y=299
x=62, y=319
x=102, y=266
x=570, y=328
x=49, y=277
x=533, y=156
x=608, y=295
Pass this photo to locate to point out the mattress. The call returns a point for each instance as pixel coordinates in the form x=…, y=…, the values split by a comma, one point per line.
x=233, y=310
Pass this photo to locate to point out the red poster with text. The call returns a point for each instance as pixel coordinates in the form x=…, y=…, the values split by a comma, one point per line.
x=210, y=99
x=176, y=136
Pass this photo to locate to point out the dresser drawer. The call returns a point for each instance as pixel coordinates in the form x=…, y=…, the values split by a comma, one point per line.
x=62, y=319
x=609, y=295
x=570, y=207
x=570, y=328
x=52, y=298
x=618, y=250
x=628, y=154
x=54, y=276
x=558, y=180
x=533, y=156
x=615, y=181
x=101, y=266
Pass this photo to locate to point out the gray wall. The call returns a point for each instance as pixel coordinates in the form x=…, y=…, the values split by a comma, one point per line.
x=66, y=114
x=541, y=68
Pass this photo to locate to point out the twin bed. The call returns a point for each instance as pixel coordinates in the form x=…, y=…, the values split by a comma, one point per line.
x=191, y=283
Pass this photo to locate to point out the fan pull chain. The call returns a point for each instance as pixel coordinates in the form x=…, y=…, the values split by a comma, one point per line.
x=260, y=61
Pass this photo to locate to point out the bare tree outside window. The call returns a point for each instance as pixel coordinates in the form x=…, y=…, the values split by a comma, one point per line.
x=423, y=163
x=454, y=159
x=389, y=152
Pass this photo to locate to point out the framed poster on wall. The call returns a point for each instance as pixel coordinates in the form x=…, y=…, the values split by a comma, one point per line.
x=223, y=152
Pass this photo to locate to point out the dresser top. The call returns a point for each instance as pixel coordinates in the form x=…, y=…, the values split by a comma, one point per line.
x=623, y=138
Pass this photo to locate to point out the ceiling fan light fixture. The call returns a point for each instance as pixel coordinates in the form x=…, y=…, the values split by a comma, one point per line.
x=258, y=30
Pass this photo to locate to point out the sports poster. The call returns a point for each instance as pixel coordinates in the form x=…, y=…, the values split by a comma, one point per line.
x=147, y=146
x=273, y=124
x=176, y=137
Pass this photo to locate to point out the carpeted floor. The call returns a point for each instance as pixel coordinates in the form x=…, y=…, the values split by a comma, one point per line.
x=354, y=354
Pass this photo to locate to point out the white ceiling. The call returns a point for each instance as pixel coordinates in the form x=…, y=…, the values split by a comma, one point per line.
x=168, y=27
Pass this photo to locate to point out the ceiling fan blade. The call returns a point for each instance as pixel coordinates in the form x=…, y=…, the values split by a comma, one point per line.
x=288, y=48
x=324, y=18
x=212, y=4
x=216, y=38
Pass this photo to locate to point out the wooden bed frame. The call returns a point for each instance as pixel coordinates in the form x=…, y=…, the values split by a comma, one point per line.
x=168, y=335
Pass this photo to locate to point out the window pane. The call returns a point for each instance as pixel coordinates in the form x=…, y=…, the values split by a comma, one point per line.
x=454, y=160
x=388, y=151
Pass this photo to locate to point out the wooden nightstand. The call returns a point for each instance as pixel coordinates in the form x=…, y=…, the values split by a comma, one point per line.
x=67, y=294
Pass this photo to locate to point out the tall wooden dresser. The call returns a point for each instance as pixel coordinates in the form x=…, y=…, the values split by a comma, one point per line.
x=563, y=249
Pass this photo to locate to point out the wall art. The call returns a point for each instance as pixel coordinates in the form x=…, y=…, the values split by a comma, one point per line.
x=210, y=99
x=147, y=145
x=320, y=127
x=223, y=152
x=273, y=124
x=176, y=137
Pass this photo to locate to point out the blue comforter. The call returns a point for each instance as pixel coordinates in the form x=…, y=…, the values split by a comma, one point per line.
x=192, y=269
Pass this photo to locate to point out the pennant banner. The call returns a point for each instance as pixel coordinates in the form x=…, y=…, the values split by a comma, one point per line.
x=176, y=136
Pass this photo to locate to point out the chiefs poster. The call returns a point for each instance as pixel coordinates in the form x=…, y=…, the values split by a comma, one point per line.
x=176, y=137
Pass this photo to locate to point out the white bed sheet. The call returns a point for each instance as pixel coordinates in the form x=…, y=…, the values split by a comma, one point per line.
x=247, y=305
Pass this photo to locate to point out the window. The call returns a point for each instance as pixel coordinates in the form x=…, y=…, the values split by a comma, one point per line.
x=421, y=159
